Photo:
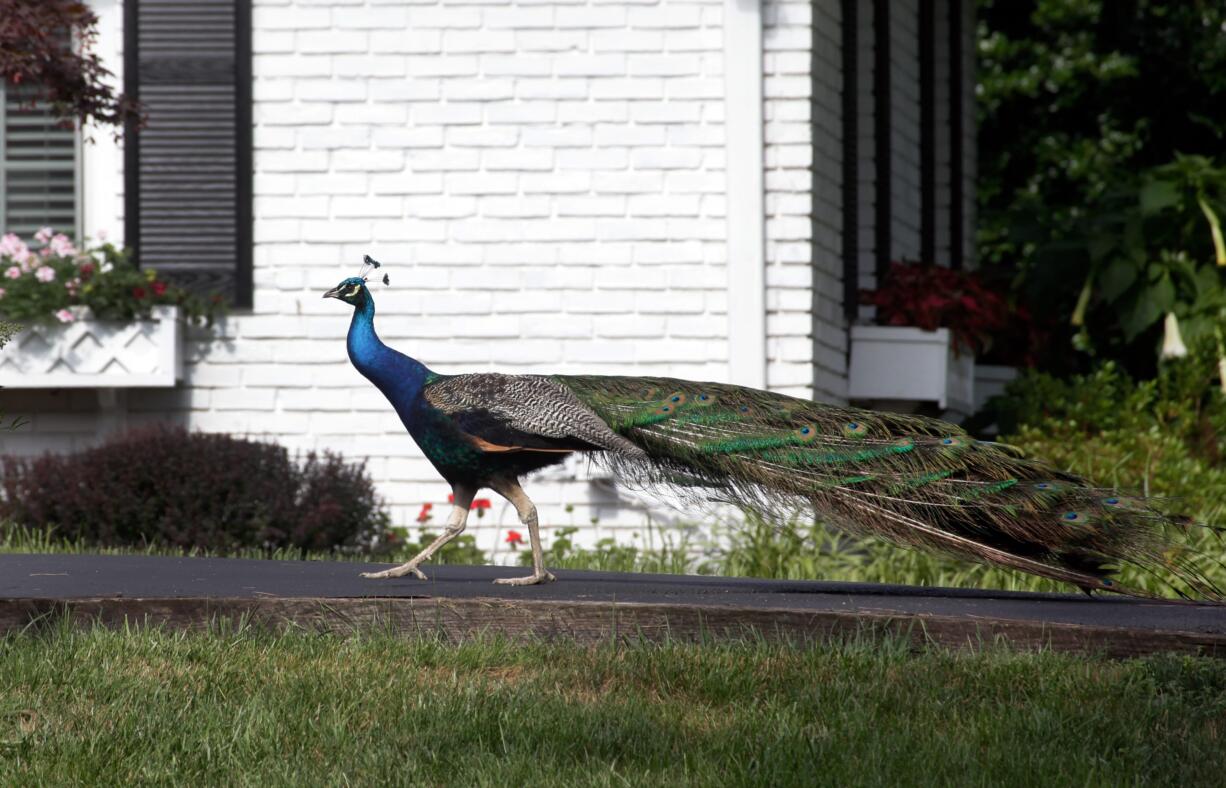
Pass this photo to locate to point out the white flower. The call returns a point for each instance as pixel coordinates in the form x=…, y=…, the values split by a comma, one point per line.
x=13, y=272
x=64, y=316
x=45, y=274
x=1172, y=341
x=43, y=235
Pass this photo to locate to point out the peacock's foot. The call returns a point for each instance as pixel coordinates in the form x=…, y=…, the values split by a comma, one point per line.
x=530, y=580
x=399, y=571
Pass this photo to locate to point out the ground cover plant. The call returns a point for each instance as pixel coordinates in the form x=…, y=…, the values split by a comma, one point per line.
x=250, y=707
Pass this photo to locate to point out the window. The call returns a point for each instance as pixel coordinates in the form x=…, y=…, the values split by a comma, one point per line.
x=39, y=179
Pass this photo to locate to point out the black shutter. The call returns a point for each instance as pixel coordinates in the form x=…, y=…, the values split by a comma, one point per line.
x=188, y=171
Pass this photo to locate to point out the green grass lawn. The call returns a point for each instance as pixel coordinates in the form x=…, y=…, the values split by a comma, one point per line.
x=257, y=708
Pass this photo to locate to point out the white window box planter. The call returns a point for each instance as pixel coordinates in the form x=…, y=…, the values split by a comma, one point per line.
x=990, y=380
x=88, y=353
x=905, y=364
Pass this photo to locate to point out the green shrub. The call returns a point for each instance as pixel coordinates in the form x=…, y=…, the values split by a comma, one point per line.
x=672, y=557
x=7, y=330
x=169, y=487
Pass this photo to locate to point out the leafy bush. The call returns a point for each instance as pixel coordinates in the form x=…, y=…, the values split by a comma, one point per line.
x=671, y=557
x=7, y=330
x=461, y=550
x=163, y=485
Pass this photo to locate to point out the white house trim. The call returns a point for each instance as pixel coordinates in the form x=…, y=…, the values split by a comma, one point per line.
x=101, y=153
x=746, y=226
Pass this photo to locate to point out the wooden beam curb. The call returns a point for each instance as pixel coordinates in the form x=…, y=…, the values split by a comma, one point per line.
x=597, y=622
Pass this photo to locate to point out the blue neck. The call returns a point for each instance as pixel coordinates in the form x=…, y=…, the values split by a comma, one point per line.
x=399, y=377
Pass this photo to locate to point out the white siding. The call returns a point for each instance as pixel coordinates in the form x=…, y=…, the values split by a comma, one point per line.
x=546, y=184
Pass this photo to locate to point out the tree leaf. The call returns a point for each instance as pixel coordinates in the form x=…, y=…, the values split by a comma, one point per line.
x=1116, y=278
x=1157, y=195
x=1142, y=313
x=1163, y=294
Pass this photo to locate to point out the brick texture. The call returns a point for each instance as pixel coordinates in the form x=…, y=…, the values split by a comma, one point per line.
x=545, y=181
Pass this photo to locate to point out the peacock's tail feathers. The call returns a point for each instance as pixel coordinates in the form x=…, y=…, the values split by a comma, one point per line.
x=916, y=481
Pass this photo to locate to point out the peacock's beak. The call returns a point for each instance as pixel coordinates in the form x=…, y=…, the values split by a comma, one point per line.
x=333, y=293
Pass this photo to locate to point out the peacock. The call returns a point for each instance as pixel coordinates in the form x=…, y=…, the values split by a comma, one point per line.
x=916, y=481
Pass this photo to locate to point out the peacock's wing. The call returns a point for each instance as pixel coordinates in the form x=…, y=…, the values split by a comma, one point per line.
x=917, y=481
x=522, y=413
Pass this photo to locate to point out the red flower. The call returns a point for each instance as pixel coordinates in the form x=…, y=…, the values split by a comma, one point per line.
x=480, y=503
x=138, y=293
x=424, y=514
x=87, y=270
x=159, y=288
x=515, y=538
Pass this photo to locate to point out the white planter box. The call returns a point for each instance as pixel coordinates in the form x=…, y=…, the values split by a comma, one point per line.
x=990, y=380
x=91, y=353
x=908, y=364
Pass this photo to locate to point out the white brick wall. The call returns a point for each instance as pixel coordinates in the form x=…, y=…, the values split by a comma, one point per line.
x=806, y=339
x=541, y=180
x=545, y=181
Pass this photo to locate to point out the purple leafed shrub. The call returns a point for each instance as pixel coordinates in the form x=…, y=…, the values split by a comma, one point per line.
x=167, y=486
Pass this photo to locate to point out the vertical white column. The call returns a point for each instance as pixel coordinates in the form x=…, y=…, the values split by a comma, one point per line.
x=746, y=210
x=101, y=154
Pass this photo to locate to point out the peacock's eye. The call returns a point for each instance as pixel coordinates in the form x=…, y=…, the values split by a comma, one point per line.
x=356, y=289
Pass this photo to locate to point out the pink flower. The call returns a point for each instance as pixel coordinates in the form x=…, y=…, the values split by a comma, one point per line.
x=64, y=316
x=101, y=235
x=10, y=244
x=45, y=274
x=43, y=235
x=61, y=246
x=1, y=292
x=13, y=272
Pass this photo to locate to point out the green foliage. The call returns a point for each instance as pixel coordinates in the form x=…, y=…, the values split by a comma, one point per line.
x=7, y=330
x=561, y=552
x=1085, y=109
x=462, y=550
x=1152, y=252
x=43, y=286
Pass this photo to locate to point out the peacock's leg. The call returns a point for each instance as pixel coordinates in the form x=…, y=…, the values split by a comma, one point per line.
x=511, y=490
x=463, y=498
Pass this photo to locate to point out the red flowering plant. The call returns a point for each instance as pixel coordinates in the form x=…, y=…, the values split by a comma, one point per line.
x=931, y=297
x=54, y=280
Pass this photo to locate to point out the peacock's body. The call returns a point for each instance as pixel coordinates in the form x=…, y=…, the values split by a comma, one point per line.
x=917, y=481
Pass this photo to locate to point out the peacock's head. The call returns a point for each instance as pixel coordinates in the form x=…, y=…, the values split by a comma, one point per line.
x=353, y=290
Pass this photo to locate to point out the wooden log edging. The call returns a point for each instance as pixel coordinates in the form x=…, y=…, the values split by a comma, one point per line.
x=596, y=622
